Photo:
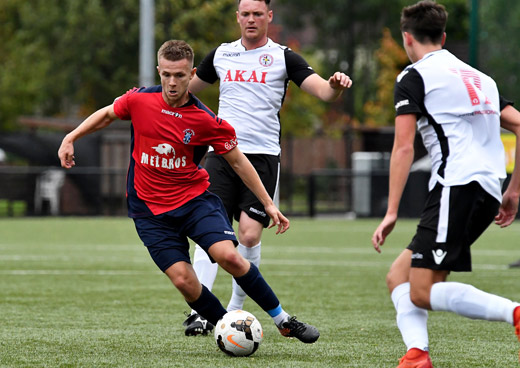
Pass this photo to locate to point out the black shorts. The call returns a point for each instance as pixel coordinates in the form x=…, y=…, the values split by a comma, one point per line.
x=452, y=219
x=236, y=196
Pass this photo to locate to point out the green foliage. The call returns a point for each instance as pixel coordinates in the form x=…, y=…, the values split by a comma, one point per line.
x=346, y=31
x=499, y=44
x=458, y=19
x=302, y=113
x=204, y=25
x=349, y=32
x=391, y=58
x=68, y=57
x=61, y=55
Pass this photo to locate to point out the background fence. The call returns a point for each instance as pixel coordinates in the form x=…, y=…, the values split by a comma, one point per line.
x=93, y=191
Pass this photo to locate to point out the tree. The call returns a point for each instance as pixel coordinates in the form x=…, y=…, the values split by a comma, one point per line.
x=68, y=57
x=498, y=44
x=302, y=114
x=349, y=31
x=391, y=59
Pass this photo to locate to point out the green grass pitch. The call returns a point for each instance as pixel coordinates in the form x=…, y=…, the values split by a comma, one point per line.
x=83, y=292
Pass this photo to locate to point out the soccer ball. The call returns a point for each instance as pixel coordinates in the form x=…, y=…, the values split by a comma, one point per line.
x=238, y=333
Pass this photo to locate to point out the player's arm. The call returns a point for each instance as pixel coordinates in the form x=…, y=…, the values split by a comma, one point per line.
x=510, y=120
x=196, y=85
x=98, y=120
x=240, y=163
x=206, y=74
x=326, y=90
x=400, y=163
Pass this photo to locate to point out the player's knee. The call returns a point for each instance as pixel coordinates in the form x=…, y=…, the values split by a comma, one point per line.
x=249, y=239
x=394, y=279
x=250, y=235
x=184, y=282
x=390, y=282
x=420, y=298
x=234, y=263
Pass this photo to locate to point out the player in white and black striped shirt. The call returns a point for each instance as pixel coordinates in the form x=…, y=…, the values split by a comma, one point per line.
x=456, y=108
x=254, y=73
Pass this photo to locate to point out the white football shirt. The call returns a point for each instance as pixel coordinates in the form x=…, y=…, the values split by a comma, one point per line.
x=253, y=84
x=458, y=111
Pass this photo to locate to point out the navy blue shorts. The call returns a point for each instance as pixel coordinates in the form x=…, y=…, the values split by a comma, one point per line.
x=203, y=219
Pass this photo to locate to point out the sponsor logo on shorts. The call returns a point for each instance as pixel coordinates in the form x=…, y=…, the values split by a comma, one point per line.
x=438, y=255
x=258, y=212
x=229, y=232
x=417, y=256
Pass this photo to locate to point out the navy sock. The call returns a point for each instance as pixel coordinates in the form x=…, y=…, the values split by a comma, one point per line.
x=208, y=306
x=256, y=288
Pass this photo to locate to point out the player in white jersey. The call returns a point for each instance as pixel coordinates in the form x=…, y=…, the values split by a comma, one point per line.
x=254, y=73
x=456, y=108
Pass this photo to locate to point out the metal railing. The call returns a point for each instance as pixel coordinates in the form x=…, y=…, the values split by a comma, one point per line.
x=97, y=191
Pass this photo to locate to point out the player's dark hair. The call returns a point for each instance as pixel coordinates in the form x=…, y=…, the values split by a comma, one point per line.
x=267, y=2
x=174, y=50
x=426, y=21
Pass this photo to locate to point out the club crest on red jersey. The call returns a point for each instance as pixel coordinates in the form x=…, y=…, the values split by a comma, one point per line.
x=188, y=133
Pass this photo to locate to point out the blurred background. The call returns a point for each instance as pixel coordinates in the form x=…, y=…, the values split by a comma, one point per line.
x=60, y=60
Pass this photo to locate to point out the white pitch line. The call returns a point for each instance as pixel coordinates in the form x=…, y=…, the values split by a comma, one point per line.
x=61, y=258
x=363, y=264
x=73, y=272
x=276, y=262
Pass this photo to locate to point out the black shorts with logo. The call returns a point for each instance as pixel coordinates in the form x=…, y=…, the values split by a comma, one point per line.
x=225, y=183
x=452, y=219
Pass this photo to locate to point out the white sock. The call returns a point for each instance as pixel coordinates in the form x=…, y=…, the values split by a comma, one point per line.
x=281, y=318
x=411, y=320
x=239, y=296
x=468, y=301
x=205, y=270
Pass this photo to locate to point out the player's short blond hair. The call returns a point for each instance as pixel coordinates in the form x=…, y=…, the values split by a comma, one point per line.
x=174, y=50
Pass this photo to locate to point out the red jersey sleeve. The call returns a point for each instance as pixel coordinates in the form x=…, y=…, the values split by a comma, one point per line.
x=224, y=138
x=122, y=106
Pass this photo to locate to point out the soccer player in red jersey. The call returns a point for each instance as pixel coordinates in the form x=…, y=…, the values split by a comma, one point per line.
x=167, y=189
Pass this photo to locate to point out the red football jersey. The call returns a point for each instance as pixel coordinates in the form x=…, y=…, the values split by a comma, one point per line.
x=167, y=146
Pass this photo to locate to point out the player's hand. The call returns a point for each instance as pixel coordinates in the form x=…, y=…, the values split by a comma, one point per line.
x=66, y=154
x=508, y=209
x=385, y=227
x=340, y=81
x=278, y=219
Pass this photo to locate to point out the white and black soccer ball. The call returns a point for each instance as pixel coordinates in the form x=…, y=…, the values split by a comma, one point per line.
x=238, y=333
